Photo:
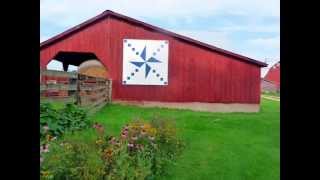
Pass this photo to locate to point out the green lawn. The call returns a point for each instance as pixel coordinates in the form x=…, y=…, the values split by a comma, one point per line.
x=57, y=104
x=271, y=93
x=219, y=146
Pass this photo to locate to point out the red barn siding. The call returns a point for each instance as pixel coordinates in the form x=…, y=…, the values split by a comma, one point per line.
x=273, y=74
x=195, y=74
x=91, y=39
x=268, y=86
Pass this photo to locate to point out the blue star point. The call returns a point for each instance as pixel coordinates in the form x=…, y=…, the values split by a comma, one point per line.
x=147, y=66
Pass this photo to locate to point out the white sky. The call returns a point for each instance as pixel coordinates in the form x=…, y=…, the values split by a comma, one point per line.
x=247, y=27
x=57, y=65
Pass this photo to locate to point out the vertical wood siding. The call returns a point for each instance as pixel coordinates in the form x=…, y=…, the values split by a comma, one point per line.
x=273, y=75
x=195, y=74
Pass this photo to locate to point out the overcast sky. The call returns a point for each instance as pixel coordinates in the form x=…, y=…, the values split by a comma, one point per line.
x=247, y=27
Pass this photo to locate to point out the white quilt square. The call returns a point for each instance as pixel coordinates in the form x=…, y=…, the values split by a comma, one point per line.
x=145, y=62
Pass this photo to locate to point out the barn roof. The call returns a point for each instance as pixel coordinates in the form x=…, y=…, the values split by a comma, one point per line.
x=275, y=67
x=263, y=79
x=140, y=23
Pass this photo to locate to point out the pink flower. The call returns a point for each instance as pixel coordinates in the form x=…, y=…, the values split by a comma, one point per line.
x=124, y=135
x=94, y=125
x=44, y=148
x=130, y=145
x=97, y=125
x=112, y=140
x=125, y=132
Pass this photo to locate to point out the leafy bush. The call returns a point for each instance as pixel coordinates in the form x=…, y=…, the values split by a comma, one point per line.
x=142, y=151
x=49, y=121
x=73, y=118
x=71, y=160
x=169, y=144
x=55, y=122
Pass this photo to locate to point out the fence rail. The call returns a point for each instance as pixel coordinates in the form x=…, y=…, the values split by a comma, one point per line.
x=86, y=91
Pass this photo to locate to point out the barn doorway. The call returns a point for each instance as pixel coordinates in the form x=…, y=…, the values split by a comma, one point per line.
x=93, y=83
x=80, y=62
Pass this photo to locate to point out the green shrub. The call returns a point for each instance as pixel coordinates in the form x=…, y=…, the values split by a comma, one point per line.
x=55, y=122
x=49, y=121
x=73, y=118
x=71, y=160
x=169, y=144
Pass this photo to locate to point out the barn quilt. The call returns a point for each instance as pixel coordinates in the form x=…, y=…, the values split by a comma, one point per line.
x=145, y=62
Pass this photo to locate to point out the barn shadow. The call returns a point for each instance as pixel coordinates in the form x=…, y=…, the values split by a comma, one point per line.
x=86, y=63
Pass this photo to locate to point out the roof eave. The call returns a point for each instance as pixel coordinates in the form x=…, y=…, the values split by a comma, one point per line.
x=129, y=19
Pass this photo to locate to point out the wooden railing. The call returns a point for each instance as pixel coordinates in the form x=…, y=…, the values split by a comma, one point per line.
x=93, y=92
x=86, y=91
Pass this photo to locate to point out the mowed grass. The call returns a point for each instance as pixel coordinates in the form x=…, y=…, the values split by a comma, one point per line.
x=277, y=94
x=219, y=146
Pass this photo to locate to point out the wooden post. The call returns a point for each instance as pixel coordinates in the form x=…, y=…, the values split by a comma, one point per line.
x=109, y=90
x=65, y=66
x=78, y=98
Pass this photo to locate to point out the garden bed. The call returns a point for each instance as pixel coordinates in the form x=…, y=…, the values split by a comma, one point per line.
x=217, y=145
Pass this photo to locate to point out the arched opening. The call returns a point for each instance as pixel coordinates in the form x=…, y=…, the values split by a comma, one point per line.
x=58, y=66
x=89, y=85
x=81, y=62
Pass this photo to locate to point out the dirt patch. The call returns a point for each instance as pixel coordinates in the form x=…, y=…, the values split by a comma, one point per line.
x=197, y=106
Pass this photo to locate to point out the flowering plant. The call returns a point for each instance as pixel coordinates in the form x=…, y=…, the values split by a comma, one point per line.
x=141, y=150
x=153, y=144
x=71, y=160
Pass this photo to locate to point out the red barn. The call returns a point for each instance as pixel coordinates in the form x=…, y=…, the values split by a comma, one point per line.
x=267, y=86
x=273, y=75
x=200, y=76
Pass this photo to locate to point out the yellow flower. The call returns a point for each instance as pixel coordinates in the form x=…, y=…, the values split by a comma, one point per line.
x=48, y=137
x=45, y=173
x=108, y=152
x=67, y=146
x=152, y=131
x=99, y=142
x=146, y=126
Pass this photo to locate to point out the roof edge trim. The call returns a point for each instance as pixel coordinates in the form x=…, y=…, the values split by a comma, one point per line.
x=107, y=13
